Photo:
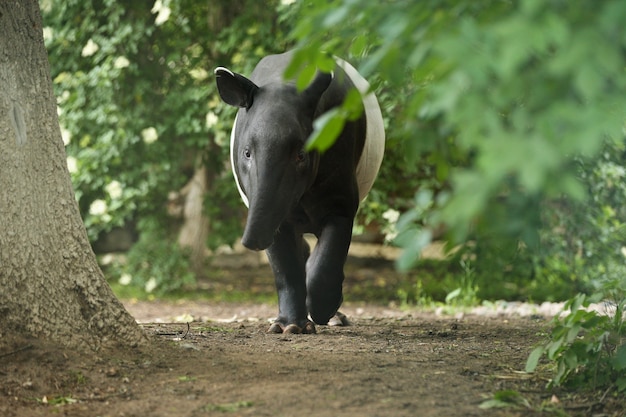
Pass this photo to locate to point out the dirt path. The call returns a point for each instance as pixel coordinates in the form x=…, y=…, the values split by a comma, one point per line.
x=388, y=363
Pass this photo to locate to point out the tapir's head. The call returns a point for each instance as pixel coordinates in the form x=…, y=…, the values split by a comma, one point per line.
x=267, y=148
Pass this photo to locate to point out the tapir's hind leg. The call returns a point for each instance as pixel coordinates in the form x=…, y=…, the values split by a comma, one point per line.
x=287, y=256
x=324, y=275
x=339, y=319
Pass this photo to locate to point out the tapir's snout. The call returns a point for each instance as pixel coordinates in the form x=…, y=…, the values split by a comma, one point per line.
x=273, y=192
x=262, y=223
x=256, y=241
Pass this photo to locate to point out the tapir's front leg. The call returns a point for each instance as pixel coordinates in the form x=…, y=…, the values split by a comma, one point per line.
x=287, y=256
x=325, y=269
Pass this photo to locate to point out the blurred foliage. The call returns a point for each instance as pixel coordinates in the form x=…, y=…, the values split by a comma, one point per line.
x=516, y=109
x=156, y=264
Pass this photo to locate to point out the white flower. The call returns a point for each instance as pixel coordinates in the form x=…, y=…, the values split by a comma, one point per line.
x=149, y=135
x=161, y=7
x=151, y=284
x=98, y=207
x=199, y=74
x=287, y=2
x=391, y=216
x=211, y=119
x=47, y=33
x=90, y=49
x=623, y=250
x=125, y=279
x=114, y=188
x=63, y=97
x=72, y=164
x=121, y=62
x=66, y=135
x=107, y=259
x=389, y=230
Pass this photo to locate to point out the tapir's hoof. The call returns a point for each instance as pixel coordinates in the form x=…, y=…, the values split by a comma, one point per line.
x=276, y=327
x=339, y=319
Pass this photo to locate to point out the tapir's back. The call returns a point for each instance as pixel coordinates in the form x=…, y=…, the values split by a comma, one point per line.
x=271, y=68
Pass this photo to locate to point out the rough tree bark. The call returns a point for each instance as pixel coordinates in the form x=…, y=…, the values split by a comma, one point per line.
x=50, y=284
x=195, y=230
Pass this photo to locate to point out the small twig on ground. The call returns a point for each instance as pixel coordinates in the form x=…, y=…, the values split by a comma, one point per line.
x=177, y=333
x=609, y=389
x=23, y=348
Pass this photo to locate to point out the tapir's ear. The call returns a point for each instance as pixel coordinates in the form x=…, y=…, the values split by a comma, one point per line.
x=317, y=87
x=234, y=89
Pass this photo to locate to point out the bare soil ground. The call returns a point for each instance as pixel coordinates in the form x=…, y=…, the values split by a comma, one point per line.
x=389, y=362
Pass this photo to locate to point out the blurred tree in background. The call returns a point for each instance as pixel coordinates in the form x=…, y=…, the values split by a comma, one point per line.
x=146, y=135
x=505, y=126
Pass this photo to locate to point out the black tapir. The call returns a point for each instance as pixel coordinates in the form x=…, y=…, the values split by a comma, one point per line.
x=290, y=192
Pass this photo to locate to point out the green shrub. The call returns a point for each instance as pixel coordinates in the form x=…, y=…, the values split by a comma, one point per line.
x=155, y=264
x=588, y=349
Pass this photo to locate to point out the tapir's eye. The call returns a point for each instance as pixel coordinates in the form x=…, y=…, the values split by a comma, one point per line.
x=247, y=153
x=300, y=156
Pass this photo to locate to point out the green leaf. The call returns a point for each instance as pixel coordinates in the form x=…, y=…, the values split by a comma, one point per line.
x=452, y=295
x=506, y=398
x=359, y=45
x=554, y=347
x=305, y=77
x=336, y=16
x=297, y=61
x=413, y=241
x=326, y=129
x=572, y=333
x=619, y=359
x=577, y=302
x=325, y=62
x=533, y=358
x=353, y=104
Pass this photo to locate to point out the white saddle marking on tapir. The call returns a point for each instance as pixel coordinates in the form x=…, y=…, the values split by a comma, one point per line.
x=373, y=149
x=244, y=197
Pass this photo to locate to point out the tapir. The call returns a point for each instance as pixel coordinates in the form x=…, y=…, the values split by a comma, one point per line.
x=290, y=192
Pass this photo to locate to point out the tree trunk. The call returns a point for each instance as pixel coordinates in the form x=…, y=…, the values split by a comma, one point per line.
x=193, y=234
x=50, y=283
